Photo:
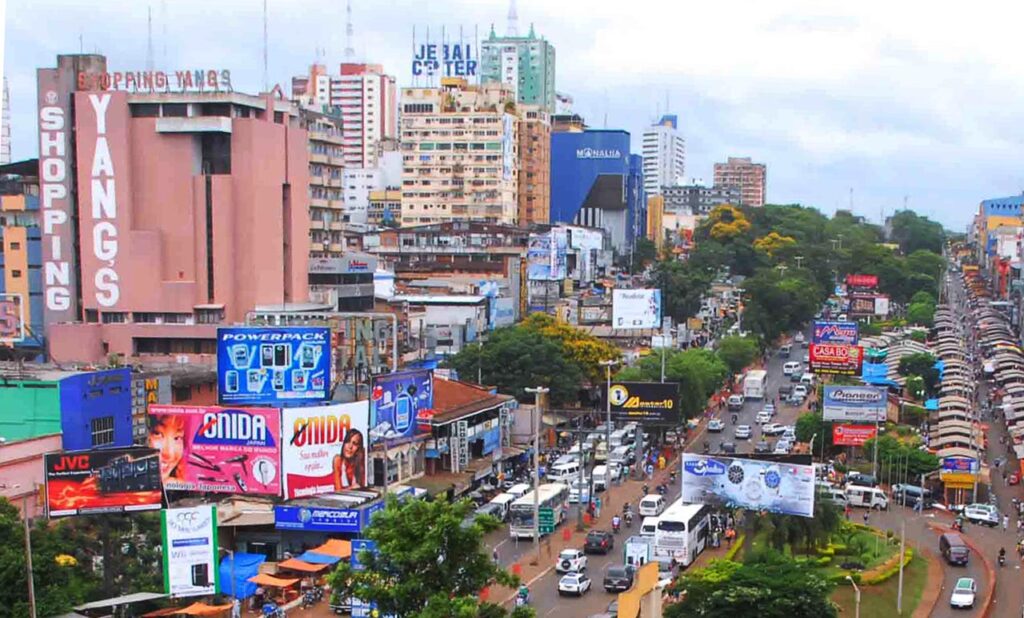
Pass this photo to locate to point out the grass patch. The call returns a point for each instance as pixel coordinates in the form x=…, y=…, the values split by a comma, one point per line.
x=880, y=600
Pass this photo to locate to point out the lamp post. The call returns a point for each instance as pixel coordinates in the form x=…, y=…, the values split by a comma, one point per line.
x=856, y=589
x=607, y=364
x=811, y=448
x=671, y=337
x=537, y=394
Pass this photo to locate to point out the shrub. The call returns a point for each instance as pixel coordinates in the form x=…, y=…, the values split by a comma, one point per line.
x=736, y=545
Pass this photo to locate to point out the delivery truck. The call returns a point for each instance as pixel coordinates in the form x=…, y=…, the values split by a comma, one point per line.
x=755, y=384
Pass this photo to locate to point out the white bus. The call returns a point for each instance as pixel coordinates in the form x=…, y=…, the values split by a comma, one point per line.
x=682, y=533
x=553, y=496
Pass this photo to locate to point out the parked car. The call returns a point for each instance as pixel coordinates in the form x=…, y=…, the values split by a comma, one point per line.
x=982, y=514
x=716, y=425
x=742, y=432
x=963, y=593
x=571, y=561
x=598, y=542
x=574, y=583
x=772, y=429
x=618, y=579
x=762, y=447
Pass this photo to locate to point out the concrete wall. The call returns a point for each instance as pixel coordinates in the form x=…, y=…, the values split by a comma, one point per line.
x=21, y=463
x=28, y=409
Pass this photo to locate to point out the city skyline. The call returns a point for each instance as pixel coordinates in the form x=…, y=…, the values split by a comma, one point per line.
x=875, y=108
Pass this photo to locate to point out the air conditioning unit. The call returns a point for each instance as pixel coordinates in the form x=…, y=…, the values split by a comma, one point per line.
x=182, y=359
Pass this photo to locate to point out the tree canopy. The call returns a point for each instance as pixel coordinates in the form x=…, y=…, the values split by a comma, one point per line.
x=737, y=352
x=699, y=373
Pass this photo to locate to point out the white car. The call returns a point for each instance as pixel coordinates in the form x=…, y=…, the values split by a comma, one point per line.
x=963, y=593
x=982, y=514
x=573, y=583
x=781, y=448
x=791, y=367
x=715, y=425
x=807, y=358
x=571, y=561
x=772, y=429
x=799, y=337
x=800, y=390
x=763, y=417
x=742, y=432
x=769, y=408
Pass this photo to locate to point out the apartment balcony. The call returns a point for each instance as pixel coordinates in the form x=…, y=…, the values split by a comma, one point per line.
x=317, y=246
x=317, y=225
x=338, y=204
x=318, y=180
x=335, y=182
x=336, y=247
x=339, y=161
x=318, y=202
x=323, y=136
x=316, y=157
x=337, y=225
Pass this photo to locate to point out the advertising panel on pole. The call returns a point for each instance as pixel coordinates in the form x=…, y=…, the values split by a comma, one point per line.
x=852, y=435
x=317, y=519
x=12, y=318
x=117, y=480
x=857, y=404
x=190, y=551
x=259, y=365
x=324, y=448
x=835, y=332
x=865, y=282
x=959, y=464
x=732, y=482
x=636, y=308
x=839, y=359
x=546, y=255
x=862, y=304
x=647, y=402
x=881, y=306
x=215, y=449
x=398, y=402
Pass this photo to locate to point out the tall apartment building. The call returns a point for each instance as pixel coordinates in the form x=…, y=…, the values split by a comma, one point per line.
x=366, y=98
x=21, y=265
x=459, y=154
x=183, y=208
x=664, y=153
x=326, y=178
x=696, y=199
x=534, y=165
x=526, y=64
x=750, y=178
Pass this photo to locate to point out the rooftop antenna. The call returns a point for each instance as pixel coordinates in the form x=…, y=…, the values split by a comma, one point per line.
x=163, y=33
x=851, y=200
x=81, y=45
x=668, y=108
x=266, y=80
x=513, y=20
x=149, y=38
x=5, y=129
x=350, y=52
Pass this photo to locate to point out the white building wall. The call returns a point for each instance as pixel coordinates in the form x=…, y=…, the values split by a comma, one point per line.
x=664, y=155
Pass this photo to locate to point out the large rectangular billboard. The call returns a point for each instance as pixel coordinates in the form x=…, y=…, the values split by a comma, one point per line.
x=273, y=365
x=835, y=332
x=733, y=482
x=839, y=359
x=648, y=402
x=102, y=481
x=397, y=402
x=636, y=308
x=215, y=449
x=862, y=281
x=324, y=448
x=317, y=519
x=190, y=551
x=858, y=404
x=852, y=435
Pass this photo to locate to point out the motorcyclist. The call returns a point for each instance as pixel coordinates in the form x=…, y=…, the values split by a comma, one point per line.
x=1002, y=556
x=629, y=518
x=616, y=523
x=626, y=508
x=523, y=597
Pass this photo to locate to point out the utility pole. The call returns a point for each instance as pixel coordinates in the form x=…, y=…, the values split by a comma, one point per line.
x=607, y=364
x=538, y=393
x=28, y=559
x=856, y=611
x=903, y=545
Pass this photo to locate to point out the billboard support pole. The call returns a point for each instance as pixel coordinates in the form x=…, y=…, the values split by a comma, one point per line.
x=28, y=559
x=537, y=394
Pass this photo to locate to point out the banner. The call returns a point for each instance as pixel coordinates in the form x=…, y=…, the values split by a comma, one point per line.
x=731, y=482
x=854, y=403
x=647, y=402
x=270, y=365
x=215, y=449
x=102, y=481
x=190, y=551
x=862, y=281
x=838, y=359
x=959, y=464
x=636, y=308
x=852, y=435
x=317, y=519
x=835, y=332
x=12, y=318
x=398, y=401
x=324, y=448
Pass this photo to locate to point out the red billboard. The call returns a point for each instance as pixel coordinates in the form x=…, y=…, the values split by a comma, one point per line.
x=862, y=281
x=102, y=481
x=852, y=435
x=841, y=359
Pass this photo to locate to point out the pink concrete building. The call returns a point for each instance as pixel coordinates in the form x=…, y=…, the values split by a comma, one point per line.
x=21, y=471
x=192, y=210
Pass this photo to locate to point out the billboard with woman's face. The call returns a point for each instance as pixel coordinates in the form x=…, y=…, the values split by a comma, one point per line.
x=324, y=448
x=215, y=449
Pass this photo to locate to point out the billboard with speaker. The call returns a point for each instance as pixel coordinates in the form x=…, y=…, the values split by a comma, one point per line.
x=102, y=481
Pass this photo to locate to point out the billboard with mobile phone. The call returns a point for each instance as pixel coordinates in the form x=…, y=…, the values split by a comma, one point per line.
x=399, y=403
x=258, y=365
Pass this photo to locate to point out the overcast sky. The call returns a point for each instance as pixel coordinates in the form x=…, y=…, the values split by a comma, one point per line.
x=891, y=99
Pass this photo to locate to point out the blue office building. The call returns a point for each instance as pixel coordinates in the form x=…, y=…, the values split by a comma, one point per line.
x=96, y=409
x=596, y=182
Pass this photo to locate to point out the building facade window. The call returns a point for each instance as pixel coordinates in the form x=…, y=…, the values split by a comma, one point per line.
x=102, y=430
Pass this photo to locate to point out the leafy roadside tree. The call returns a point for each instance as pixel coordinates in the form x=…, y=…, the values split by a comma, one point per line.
x=699, y=373
x=921, y=364
x=586, y=350
x=812, y=425
x=737, y=352
x=428, y=563
x=644, y=253
x=800, y=533
x=904, y=455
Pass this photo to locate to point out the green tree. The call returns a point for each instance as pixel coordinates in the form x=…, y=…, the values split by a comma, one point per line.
x=699, y=373
x=903, y=455
x=737, y=352
x=644, y=252
x=428, y=562
x=921, y=364
x=769, y=585
x=584, y=349
x=922, y=314
x=914, y=233
x=812, y=425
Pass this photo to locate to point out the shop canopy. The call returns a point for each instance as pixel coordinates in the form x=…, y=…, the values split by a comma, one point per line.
x=335, y=547
x=294, y=564
x=314, y=558
x=196, y=609
x=274, y=582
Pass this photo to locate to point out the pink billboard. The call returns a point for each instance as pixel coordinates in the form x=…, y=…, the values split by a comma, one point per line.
x=215, y=449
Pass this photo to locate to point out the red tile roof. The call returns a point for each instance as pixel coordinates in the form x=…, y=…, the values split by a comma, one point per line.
x=454, y=399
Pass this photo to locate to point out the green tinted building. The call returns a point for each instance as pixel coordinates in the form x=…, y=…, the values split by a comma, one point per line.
x=524, y=63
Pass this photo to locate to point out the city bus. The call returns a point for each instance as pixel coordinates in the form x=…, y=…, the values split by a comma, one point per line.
x=553, y=496
x=682, y=532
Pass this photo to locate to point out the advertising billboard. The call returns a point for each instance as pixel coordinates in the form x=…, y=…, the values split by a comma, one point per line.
x=273, y=365
x=397, y=402
x=852, y=435
x=324, y=448
x=546, y=255
x=117, y=480
x=215, y=449
x=862, y=281
x=862, y=304
x=840, y=359
x=190, y=551
x=959, y=464
x=636, y=308
x=858, y=404
x=881, y=305
x=732, y=482
x=12, y=318
x=650, y=402
x=503, y=312
x=835, y=332
x=317, y=519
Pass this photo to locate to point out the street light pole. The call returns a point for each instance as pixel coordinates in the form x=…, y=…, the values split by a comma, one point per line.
x=856, y=589
x=903, y=544
x=607, y=364
x=28, y=559
x=811, y=448
x=537, y=394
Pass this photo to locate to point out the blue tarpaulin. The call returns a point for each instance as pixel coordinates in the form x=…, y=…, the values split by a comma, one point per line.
x=874, y=370
x=314, y=558
x=931, y=404
x=941, y=366
x=247, y=565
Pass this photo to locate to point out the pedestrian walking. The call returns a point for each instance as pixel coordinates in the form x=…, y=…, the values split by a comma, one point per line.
x=866, y=517
x=494, y=556
x=1006, y=522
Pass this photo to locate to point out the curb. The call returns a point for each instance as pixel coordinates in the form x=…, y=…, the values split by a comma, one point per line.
x=933, y=563
x=990, y=571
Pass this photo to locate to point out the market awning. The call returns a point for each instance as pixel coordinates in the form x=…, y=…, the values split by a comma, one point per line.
x=314, y=558
x=274, y=582
x=335, y=547
x=295, y=564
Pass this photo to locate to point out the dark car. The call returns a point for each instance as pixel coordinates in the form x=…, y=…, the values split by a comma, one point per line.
x=795, y=376
x=863, y=480
x=598, y=542
x=762, y=447
x=727, y=447
x=618, y=579
x=785, y=390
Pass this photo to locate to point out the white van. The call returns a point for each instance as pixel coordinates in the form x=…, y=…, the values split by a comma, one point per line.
x=518, y=490
x=618, y=438
x=503, y=501
x=564, y=473
x=649, y=527
x=808, y=379
x=601, y=478
x=791, y=367
x=652, y=505
x=867, y=497
x=837, y=496
x=601, y=452
x=630, y=429
x=620, y=455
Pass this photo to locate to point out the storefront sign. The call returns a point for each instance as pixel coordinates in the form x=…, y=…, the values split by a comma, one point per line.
x=959, y=464
x=838, y=359
x=317, y=519
x=598, y=153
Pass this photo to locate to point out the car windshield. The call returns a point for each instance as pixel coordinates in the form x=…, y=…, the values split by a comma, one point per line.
x=594, y=535
x=964, y=584
x=617, y=572
x=569, y=553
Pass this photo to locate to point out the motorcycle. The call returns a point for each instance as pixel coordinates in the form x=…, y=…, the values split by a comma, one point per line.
x=1002, y=560
x=523, y=597
x=308, y=599
x=629, y=519
x=271, y=610
x=616, y=525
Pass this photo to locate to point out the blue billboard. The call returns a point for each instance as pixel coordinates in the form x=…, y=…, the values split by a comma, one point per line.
x=258, y=365
x=317, y=519
x=397, y=401
x=835, y=332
